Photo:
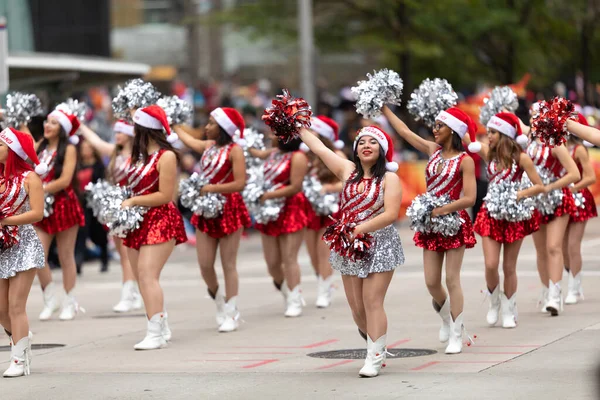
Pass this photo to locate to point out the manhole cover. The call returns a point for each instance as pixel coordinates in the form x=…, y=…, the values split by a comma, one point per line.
x=360, y=354
x=36, y=346
x=120, y=316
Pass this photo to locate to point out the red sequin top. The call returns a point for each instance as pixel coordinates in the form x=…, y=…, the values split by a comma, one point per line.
x=216, y=165
x=48, y=157
x=543, y=159
x=443, y=176
x=362, y=204
x=14, y=198
x=513, y=174
x=277, y=169
x=120, y=170
x=142, y=178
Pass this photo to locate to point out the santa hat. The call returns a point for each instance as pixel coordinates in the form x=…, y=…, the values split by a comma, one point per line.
x=69, y=123
x=22, y=144
x=122, y=126
x=583, y=121
x=154, y=117
x=508, y=124
x=231, y=121
x=327, y=128
x=385, y=141
x=461, y=123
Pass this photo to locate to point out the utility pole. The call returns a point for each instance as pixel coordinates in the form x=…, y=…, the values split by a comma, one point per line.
x=307, y=51
x=3, y=56
x=193, y=48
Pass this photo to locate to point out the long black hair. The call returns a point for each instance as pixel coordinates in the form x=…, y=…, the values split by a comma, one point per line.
x=292, y=145
x=457, y=143
x=224, y=137
x=142, y=139
x=61, y=150
x=378, y=170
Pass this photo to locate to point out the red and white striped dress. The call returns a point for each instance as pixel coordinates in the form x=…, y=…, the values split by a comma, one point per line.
x=297, y=210
x=499, y=230
x=444, y=177
x=216, y=165
x=589, y=210
x=120, y=170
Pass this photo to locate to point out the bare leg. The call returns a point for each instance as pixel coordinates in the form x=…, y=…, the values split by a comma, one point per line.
x=4, y=318
x=576, y=231
x=491, y=254
x=323, y=252
x=65, y=244
x=509, y=266
x=151, y=261
x=353, y=289
x=272, y=254
x=554, y=240
x=566, y=255
x=432, y=267
x=228, y=248
x=44, y=274
x=133, y=256
x=539, y=240
x=454, y=259
x=206, y=249
x=375, y=287
x=18, y=291
x=290, y=246
x=125, y=264
x=311, y=239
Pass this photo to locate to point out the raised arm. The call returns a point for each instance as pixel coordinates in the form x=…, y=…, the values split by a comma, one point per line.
x=299, y=168
x=340, y=166
x=467, y=167
x=588, y=176
x=33, y=187
x=167, y=180
x=262, y=154
x=537, y=186
x=392, y=197
x=66, y=177
x=416, y=141
x=572, y=175
x=239, y=175
x=588, y=133
x=105, y=148
x=199, y=146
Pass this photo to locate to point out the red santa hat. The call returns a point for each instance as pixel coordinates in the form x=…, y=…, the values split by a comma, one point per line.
x=22, y=144
x=122, y=126
x=231, y=121
x=583, y=121
x=327, y=128
x=154, y=117
x=385, y=141
x=508, y=124
x=69, y=123
x=457, y=120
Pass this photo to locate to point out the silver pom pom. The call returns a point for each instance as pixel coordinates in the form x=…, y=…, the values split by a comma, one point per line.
x=48, y=205
x=383, y=87
x=420, y=210
x=135, y=94
x=501, y=202
x=20, y=107
x=547, y=203
x=431, y=98
x=253, y=139
x=323, y=204
x=579, y=200
x=208, y=205
x=267, y=211
x=502, y=98
x=74, y=107
x=126, y=220
x=178, y=111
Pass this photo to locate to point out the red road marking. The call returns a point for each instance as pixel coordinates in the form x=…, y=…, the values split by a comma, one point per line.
x=429, y=364
x=398, y=343
x=308, y=346
x=335, y=364
x=319, y=344
x=494, y=352
x=259, y=364
x=518, y=346
x=255, y=352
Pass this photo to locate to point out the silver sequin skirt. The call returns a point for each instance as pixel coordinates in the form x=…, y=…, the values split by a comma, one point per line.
x=23, y=256
x=385, y=255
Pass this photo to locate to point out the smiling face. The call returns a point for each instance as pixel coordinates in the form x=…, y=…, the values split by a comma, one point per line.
x=441, y=133
x=367, y=150
x=493, y=137
x=122, y=139
x=51, y=128
x=212, y=129
x=3, y=152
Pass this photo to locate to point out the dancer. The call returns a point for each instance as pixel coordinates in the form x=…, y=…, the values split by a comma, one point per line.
x=506, y=163
x=120, y=159
x=328, y=132
x=449, y=171
x=57, y=150
x=371, y=197
x=556, y=164
x=22, y=200
x=151, y=178
x=284, y=170
x=578, y=220
x=585, y=132
x=224, y=165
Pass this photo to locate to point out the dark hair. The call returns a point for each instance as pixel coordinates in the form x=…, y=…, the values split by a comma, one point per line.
x=142, y=139
x=224, y=137
x=505, y=152
x=574, y=140
x=61, y=150
x=378, y=170
x=457, y=143
x=323, y=173
x=97, y=155
x=292, y=145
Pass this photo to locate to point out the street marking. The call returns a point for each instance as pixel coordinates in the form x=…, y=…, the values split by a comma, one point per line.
x=308, y=346
x=257, y=363
x=252, y=352
x=432, y=363
x=260, y=364
x=398, y=343
x=335, y=364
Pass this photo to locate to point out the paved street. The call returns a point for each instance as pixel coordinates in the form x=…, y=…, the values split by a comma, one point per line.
x=543, y=358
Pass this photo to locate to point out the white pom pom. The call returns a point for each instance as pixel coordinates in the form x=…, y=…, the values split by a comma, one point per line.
x=304, y=148
x=475, y=147
x=588, y=144
x=391, y=166
x=172, y=138
x=522, y=141
x=41, y=168
x=74, y=139
x=338, y=144
x=241, y=142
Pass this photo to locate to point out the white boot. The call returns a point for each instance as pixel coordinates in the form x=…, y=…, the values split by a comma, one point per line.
x=376, y=354
x=232, y=316
x=138, y=302
x=285, y=291
x=127, y=298
x=324, y=291
x=154, y=334
x=444, y=313
x=494, y=307
x=166, y=331
x=70, y=308
x=220, y=304
x=543, y=299
x=457, y=329
x=575, y=292
x=554, y=303
x=51, y=303
x=295, y=302
x=509, y=311
x=20, y=359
